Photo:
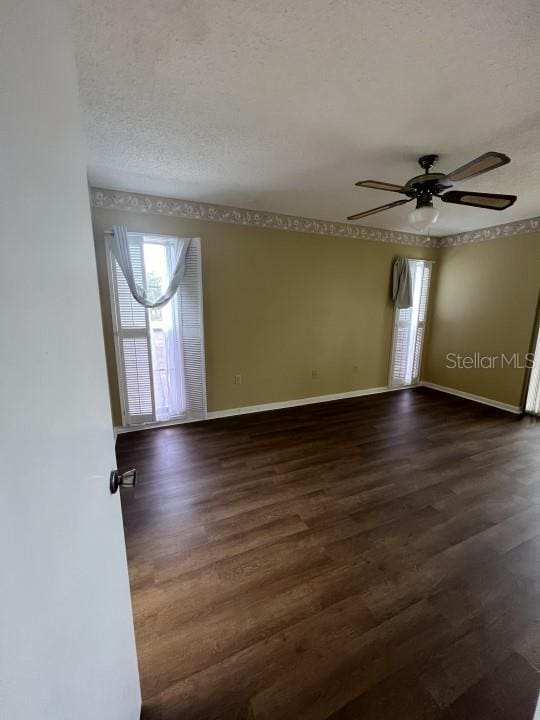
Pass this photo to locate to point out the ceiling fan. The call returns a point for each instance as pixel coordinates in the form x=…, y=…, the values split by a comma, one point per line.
x=423, y=188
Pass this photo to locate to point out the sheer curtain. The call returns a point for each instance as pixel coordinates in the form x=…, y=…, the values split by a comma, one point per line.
x=119, y=245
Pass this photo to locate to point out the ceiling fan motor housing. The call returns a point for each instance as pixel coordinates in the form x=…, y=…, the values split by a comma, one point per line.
x=423, y=187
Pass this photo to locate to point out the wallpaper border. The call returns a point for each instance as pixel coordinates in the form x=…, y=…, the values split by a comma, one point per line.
x=136, y=202
x=517, y=227
x=154, y=204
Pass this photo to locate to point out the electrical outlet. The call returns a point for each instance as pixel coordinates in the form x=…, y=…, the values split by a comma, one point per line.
x=355, y=369
x=237, y=379
x=314, y=374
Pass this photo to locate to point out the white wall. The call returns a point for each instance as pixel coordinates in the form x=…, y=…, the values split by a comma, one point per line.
x=66, y=635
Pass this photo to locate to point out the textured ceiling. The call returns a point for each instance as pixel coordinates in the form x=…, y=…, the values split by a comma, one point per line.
x=282, y=106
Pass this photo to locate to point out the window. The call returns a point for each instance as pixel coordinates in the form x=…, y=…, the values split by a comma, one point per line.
x=159, y=351
x=409, y=329
x=532, y=404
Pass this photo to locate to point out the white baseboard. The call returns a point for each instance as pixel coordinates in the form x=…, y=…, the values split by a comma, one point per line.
x=121, y=429
x=302, y=401
x=475, y=398
x=246, y=409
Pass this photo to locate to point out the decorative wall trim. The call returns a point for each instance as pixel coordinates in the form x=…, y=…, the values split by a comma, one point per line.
x=518, y=227
x=135, y=202
x=475, y=398
x=153, y=204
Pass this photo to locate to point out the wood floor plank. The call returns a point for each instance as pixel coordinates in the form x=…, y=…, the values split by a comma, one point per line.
x=398, y=696
x=369, y=558
x=191, y=646
x=332, y=672
x=465, y=661
x=171, y=565
x=510, y=691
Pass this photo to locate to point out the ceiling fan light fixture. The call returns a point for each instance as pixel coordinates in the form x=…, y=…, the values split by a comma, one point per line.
x=423, y=217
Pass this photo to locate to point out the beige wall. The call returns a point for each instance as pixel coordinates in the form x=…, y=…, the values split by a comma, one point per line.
x=278, y=305
x=484, y=300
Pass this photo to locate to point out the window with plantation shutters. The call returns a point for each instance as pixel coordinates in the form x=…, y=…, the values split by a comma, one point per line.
x=159, y=351
x=409, y=329
x=532, y=404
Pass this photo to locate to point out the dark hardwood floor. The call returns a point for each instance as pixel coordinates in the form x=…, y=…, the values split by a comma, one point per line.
x=366, y=559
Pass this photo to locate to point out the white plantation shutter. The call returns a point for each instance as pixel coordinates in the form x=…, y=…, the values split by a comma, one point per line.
x=409, y=329
x=191, y=313
x=400, y=347
x=132, y=341
x=417, y=358
x=424, y=276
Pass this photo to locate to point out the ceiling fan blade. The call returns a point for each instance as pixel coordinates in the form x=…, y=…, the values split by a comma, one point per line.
x=379, y=209
x=491, y=201
x=377, y=185
x=486, y=162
